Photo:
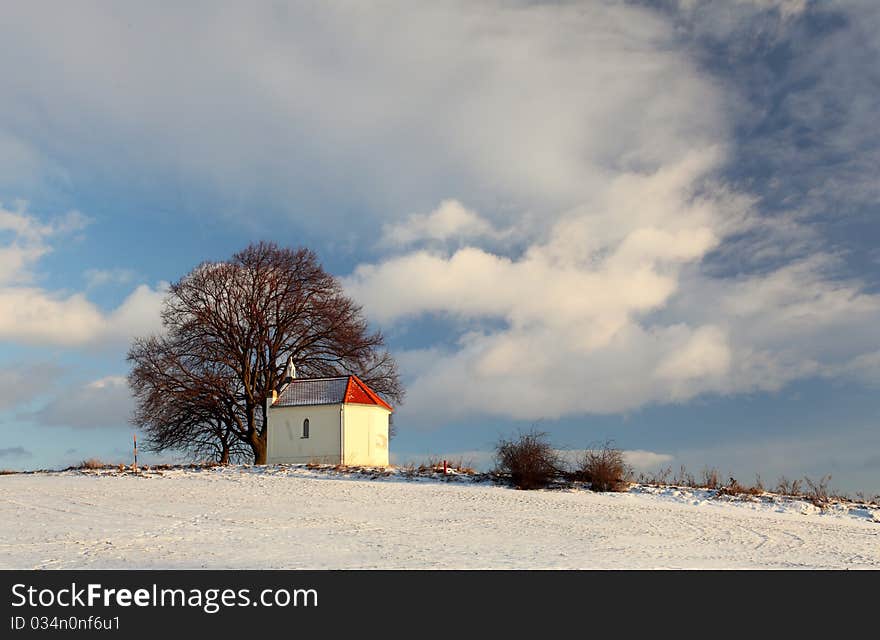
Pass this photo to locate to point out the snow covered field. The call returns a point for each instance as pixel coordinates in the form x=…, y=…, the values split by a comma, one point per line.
x=296, y=518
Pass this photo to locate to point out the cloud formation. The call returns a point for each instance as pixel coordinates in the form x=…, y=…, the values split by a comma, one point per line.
x=593, y=325
x=28, y=240
x=101, y=277
x=451, y=220
x=22, y=382
x=614, y=217
x=665, y=280
x=102, y=403
x=15, y=452
x=33, y=315
x=404, y=105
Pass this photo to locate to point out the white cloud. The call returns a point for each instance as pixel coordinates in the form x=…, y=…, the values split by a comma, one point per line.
x=450, y=220
x=615, y=302
x=138, y=315
x=614, y=306
x=642, y=460
x=21, y=382
x=587, y=133
x=635, y=321
x=704, y=354
x=29, y=239
x=105, y=402
x=574, y=337
x=638, y=459
x=390, y=109
x=31, y=314
x=36, y=316
x=101, y=277
x=15, y=452
x=864, y=367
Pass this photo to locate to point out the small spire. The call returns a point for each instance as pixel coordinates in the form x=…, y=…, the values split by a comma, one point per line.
x=290, y=372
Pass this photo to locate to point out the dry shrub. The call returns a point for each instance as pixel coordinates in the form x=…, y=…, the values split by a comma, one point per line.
x=408, y=469
x=684, y=478
x=530, y=460
x=863, y=498
x=91, y=463
x=788, y=487
x=759, y=484
x=658, y=478
x=461, y=465
x=817, y=490
x=430, y=465
x=8, y=472
x=735, y=488
x=605, y=469
x=711, y=479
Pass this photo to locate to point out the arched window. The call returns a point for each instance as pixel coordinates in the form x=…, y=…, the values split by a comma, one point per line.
x=305, y=428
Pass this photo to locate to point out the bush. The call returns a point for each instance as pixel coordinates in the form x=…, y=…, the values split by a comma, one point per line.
x=711, y=478
x=530, y=460
x=605, y=469
x=735, y=488
x=817, y=490
x=91, y=463
x=788, y=487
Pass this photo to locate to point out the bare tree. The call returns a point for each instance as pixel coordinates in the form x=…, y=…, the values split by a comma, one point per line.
x=229, y=330
x=183, y=402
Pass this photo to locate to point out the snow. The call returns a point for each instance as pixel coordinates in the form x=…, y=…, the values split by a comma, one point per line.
x=299, y=518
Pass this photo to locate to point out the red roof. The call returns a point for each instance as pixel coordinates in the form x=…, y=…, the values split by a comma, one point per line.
x=359, y=393
x=301, y=392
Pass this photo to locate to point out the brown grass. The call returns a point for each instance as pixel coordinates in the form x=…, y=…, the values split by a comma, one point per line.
x=430, y=465
x=462, y=465
x=206, y=464
x=814, y=491
x=91, y=463
x=434, y=464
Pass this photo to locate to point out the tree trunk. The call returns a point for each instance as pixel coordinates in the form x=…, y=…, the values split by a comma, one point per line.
x=258, y=446
x=224, y=454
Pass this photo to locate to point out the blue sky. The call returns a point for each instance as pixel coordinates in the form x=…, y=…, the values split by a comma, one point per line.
x=652, y=222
